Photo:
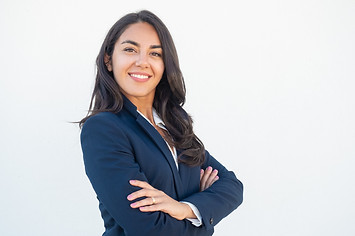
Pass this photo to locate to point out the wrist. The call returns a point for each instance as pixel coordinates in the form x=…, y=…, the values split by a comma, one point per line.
x=188, y=212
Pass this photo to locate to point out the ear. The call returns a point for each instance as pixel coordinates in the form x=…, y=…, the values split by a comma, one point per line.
x=108, y=62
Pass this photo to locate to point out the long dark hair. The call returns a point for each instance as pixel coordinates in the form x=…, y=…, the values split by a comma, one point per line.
x=169, y=95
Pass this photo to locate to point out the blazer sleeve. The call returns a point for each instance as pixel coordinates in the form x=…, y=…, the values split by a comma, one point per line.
x=219, y=200
x=110, y=164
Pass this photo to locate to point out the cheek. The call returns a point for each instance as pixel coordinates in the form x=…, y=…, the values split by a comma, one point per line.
x=120, y=67
x=160, y=68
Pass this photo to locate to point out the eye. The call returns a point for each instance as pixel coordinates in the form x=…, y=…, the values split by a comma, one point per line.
x=129, y=50
x=156, y=54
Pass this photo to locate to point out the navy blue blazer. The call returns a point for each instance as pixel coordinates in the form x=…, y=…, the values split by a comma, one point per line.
x=124, y=146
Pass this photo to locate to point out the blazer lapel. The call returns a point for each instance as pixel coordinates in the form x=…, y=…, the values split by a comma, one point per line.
x=158, y=140
x=184, y=171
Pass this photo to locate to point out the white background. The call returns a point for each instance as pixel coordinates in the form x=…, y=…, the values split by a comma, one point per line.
x=270, y=87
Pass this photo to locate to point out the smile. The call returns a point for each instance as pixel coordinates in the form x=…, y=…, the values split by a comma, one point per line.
x=140, y=77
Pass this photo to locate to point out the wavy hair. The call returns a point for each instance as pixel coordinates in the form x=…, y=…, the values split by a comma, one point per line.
x=169, y=95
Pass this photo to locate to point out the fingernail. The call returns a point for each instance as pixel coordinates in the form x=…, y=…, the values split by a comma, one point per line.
x=132, y=181
x=129, y=197
x=209, y=168
x=215, y=171
x=201, y=170
x=133, y=205
x=217, y=177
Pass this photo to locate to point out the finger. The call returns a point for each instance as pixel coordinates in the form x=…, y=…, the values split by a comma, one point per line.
x=213, y=181
x=207, y=173
x=204, y=178
x=211, y=177
x=141, y=184
x=145, y=202
x=142, y=193
x=202, y=185
x=201, y=174
x=150, y=208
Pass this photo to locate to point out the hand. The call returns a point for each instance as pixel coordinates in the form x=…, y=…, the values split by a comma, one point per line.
x=207, y=178
x=157, y=200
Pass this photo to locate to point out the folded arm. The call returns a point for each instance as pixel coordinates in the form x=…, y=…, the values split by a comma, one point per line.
x=221, y=198
x=110, y=165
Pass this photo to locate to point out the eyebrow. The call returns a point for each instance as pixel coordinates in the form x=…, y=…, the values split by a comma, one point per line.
x=137, y=44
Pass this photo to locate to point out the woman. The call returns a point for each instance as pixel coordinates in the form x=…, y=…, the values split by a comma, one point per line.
x=151, y=174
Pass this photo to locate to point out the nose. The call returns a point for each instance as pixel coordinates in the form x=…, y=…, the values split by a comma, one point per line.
x=142, y=60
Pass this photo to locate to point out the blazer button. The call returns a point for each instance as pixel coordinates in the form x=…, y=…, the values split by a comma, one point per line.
x=211, y=221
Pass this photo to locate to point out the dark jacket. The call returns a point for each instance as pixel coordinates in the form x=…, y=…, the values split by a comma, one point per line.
x=124, y=146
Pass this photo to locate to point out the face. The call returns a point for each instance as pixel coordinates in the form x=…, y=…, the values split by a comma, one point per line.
x=137, y=62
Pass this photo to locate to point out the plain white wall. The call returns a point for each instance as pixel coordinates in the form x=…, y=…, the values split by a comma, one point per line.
x=270, y=87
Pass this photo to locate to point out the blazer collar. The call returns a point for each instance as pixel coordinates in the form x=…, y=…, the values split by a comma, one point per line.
x=129, y=106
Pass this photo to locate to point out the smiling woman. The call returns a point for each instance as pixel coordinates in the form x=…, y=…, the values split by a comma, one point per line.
x=151, y=173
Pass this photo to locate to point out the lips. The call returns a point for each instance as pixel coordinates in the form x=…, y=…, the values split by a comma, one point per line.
x=140, y=77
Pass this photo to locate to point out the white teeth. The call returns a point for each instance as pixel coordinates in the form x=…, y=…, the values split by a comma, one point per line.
x=140, y=76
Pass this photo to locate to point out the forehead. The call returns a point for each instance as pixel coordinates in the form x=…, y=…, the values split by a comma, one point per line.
x=142, y=33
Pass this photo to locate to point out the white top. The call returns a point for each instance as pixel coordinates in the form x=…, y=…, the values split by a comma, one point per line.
x=159, y=122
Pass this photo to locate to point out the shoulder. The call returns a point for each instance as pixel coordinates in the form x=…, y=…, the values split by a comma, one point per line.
x=102, y=124
x=100, y=117
x=104, y=129
x=105, y=119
